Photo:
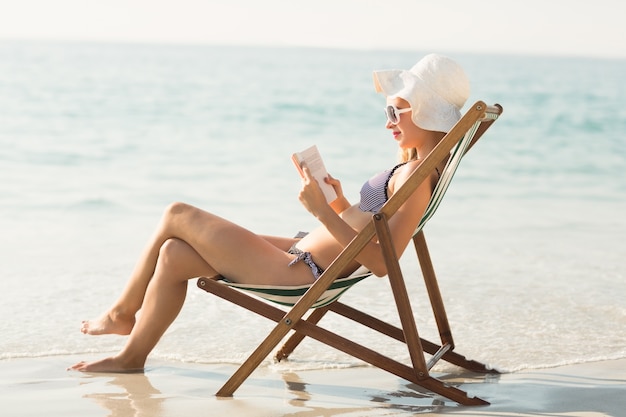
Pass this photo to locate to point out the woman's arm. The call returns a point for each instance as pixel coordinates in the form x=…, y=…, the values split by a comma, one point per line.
x=402, y=224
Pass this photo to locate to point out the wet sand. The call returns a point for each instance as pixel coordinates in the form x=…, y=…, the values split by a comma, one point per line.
x=43, y=386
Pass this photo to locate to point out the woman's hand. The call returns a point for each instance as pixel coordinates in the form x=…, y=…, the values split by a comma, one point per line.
x=341, y=203
x=336, y=185
x=311, y=195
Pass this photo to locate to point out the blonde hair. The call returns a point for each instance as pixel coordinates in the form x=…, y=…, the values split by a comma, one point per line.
x=405, y=155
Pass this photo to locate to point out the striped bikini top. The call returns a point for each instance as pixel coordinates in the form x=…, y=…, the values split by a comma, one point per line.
x=374, y=191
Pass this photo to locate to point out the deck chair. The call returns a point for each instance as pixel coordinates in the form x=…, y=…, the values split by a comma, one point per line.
x=322, y=296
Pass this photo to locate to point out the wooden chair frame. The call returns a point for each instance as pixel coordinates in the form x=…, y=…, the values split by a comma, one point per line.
x=478, y=117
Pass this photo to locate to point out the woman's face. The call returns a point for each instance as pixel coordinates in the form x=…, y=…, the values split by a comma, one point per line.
x=406, y=133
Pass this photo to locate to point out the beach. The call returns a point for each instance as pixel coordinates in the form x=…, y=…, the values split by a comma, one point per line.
x=42, y=386
x=96, y=139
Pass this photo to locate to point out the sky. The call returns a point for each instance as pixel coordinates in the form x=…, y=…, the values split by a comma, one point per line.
x=545, y=27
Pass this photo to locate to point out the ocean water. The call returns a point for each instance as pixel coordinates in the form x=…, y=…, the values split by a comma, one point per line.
x=96, y=139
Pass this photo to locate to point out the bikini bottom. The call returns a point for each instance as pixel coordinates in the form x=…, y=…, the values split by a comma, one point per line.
x=306, y=258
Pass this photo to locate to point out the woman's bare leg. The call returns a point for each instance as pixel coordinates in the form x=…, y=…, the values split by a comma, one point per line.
x=188, y=243
x=120, y=318
x=164, y=298
x=178, y=221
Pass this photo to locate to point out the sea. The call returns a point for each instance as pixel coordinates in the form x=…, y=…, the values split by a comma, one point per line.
x=96, y=139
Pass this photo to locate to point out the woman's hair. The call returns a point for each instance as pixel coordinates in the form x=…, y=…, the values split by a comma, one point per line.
x=405, y=155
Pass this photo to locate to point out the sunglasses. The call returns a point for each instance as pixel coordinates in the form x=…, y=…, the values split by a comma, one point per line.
x=393, y=113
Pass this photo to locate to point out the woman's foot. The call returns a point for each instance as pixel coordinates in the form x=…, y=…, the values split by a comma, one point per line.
x=113, y=364
x=109, y=323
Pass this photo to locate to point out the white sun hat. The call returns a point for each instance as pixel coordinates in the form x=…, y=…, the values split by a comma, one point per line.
x=436, y=88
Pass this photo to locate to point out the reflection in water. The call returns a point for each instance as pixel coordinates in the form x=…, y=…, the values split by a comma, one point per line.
x=296, y=387
x=138, y=397
x=408, y=397
x=133, y=395
x=302, y=398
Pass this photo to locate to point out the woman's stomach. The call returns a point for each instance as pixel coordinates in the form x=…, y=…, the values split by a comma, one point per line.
x=324, y=248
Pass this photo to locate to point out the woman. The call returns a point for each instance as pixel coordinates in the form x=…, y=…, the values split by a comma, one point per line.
x=422, y=104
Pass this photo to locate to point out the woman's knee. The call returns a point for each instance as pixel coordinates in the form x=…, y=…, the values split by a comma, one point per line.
x=172, y=253
x=178, y=213
x=177, y=208
x=179, y=262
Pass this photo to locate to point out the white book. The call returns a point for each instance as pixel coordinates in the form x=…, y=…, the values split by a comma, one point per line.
x=313, y=160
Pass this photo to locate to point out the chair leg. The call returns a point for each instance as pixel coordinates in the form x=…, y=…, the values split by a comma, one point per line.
x=430, y=279
x=294, y=340
x=262, y=351
x=401, y=296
